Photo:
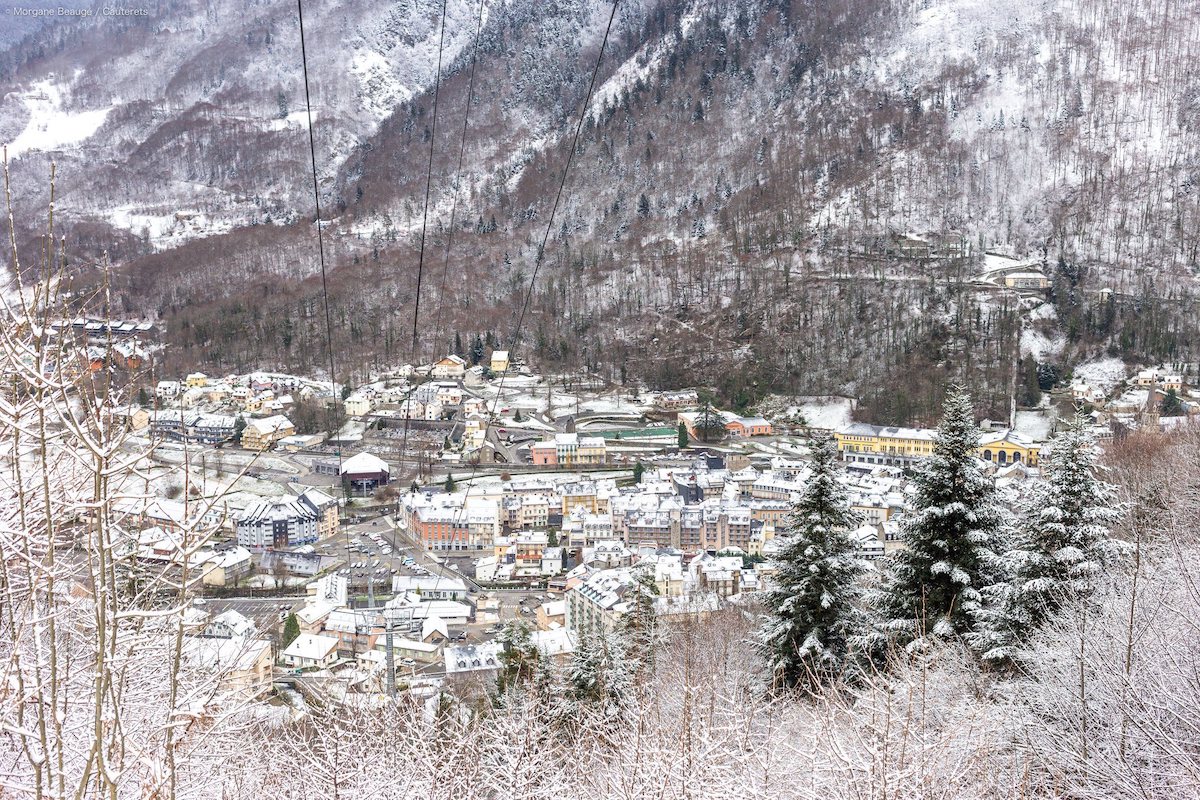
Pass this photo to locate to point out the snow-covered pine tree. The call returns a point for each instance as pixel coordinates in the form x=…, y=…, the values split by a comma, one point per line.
x=813, y=602
x=639, y=626
x=932, y=587
x=1063, y=544
x=518, y=659
x=600, y=672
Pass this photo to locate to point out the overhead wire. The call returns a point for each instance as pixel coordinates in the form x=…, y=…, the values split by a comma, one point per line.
x=335, y=416
x=462, y=149
x=437, y=85
x=515, y=339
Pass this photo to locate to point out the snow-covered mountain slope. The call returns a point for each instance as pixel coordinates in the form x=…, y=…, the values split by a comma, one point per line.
x=198, y=107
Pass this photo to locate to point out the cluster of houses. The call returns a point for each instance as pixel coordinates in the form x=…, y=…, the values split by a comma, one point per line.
x=1154, y=398
x=267, y=531
x=112, y=343
x=256, y=392
x=524, y=527
x=250, y=411
x=420, y=619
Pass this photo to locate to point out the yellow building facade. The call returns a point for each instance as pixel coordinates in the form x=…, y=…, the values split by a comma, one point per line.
x=876, y=444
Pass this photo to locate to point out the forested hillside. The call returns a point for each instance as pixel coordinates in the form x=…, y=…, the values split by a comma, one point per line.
x=730, y=215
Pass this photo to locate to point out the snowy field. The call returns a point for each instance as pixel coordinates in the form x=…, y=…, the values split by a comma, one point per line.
x=1041, y=347
x=1105, y=373
x=50, y=126
x=1034, y=424
x=828, y=412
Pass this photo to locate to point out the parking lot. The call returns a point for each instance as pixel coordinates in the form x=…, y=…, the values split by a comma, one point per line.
x=372, y=552
x=370, y=555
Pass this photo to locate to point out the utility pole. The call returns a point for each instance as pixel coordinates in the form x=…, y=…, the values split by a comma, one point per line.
x=391, y=657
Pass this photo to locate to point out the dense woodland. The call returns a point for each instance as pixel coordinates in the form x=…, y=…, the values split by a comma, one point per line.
x=733, y=163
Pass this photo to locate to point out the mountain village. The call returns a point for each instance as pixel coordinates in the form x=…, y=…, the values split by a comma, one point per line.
x=536, y=498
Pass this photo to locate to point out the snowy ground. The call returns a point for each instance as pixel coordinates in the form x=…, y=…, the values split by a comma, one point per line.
x=1040, y=346
x=1034, y=424
x=1105, y=373
x=50, y=126
x=1043, y=311
x=829, y=412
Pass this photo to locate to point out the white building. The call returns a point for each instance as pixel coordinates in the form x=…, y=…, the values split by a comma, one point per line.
x=432, y=587
x=451, y=366
x=228, y=624
x=358, y=404
x=599, y=603
x=166, y=390
x=310, y=650
x=282, y=522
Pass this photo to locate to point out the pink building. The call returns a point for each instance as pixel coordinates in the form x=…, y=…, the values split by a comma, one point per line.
x=545, y=454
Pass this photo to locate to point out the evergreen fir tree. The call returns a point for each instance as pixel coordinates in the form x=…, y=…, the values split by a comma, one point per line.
x=518, y=658
x=291, y=630
x=643, y=207
x=709, y=425
x=600, y=673
x=933, y=586
x=813, y=602
x=640, y=623
x=1171, y=405
x=1063, y=545
x=638, y=471
x=683, y=436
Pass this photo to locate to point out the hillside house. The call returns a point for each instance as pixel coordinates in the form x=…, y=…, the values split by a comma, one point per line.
x=166, y=390
x=262, y=434
x=311, y=651
x=243, y=663
x=358, y=404
x=228, y=566
x=1029, y=279
x=451, y=366
x=748, y=426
